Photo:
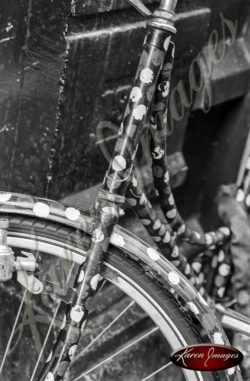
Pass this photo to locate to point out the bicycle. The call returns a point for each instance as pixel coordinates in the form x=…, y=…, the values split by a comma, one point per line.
x=91, y=249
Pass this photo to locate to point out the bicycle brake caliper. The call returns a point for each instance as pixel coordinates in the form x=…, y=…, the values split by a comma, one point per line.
x=24, y=266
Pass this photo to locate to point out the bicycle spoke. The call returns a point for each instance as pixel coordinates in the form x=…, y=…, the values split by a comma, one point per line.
x=121, y=350
x=45, y=341
x=13, y=331
x=157, y=371
x=104, y=330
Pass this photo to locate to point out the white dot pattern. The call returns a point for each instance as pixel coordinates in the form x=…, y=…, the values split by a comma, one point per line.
x=4, y=197
x=72, y=214
x=119, y=163
x=41, y=210
x=218, y=339
x=153, y=254
x=118, y=240
x=147, y=75
x=94, y=281
x=193, y=308
x=174, y=278
x=77, y=313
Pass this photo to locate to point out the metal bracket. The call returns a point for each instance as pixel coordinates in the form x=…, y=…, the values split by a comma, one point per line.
x=25, y=267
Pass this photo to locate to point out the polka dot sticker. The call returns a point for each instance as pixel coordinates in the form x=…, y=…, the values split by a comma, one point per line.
x=50, y=377
x=174, y=278
x=41, y=210
x=153, y=254
x=94, y=281
x=136, y=94
x=139, y=112
x=193, y=308
x=119, y=163
x=4, y=197
x=218, y=339
x=118, y=240
x=77, y=313
x=147, y=76
x=72, y=214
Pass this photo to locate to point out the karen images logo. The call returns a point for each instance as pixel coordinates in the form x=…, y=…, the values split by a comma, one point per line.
x=207, y=357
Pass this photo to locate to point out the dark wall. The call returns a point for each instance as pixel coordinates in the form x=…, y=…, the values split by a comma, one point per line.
x=43, y=146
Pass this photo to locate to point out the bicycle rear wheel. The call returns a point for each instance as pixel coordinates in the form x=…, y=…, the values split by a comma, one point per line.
x=134, y=323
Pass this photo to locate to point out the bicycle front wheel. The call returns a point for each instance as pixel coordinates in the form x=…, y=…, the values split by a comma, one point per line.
x=133, y=327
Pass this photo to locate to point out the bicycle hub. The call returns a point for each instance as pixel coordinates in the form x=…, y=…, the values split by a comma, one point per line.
x=6, y=254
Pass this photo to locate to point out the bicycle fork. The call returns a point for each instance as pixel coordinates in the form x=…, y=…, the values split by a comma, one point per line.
x=108, y=206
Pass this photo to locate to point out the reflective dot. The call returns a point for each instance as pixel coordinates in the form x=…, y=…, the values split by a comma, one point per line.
x=72, y=214
x=166, y=43
x=174, y=278
x=209, y=239
x=226, y=231
x=81, y=276
x=172, y=213
x=77, y=313
x=153, y=254
x=240, y=195
x=136, y=94
x=182, y=229
x=221, y=256
x=147, y=75
x=117, y=240
x=193, y=308
x=221, y=292
x=167, y=237
x=41, y=210
x=157, y=224
x=171, y=200
x=197, y=266
x=231, y=371
x=98, y=236
x=218, y=339
x=175, y=252
x=72, y=351
x=4, y=197
x=119, y=163
x=50, y=377
x=139, y=112
x=94, y=281
x=224, y=270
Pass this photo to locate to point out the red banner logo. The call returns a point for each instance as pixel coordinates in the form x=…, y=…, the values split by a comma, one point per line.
x=207, y=357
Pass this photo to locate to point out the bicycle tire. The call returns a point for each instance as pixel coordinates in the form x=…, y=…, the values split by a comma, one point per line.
x=123, y=272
